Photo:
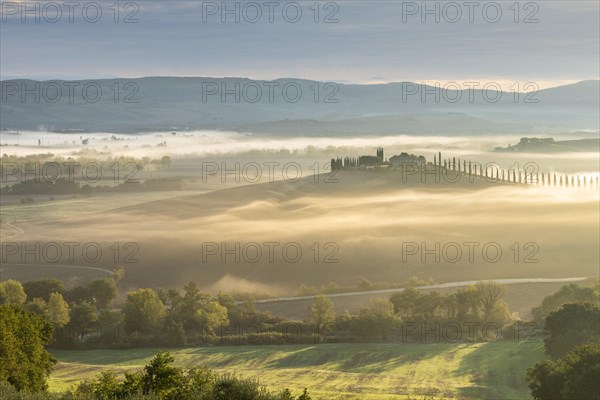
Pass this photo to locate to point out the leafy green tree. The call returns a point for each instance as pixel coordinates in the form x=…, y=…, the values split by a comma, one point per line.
x=229, y=303
x=132, y=384
x=321, y=312
x=570, y=326
x=211, y=316
x=466, y=304
x=37, y=306
x=79, y=294
x=189, y=308
x=376, y=321
x=406, y=302
x=173, y=300
x=103, y=291
x=11, y=292
x=382, y=315
x=84, y=317
x=490, y=297
x=24, y=362
x=43, y=288
x=574, y=376
x=163, y=297
x=429, y=304
x=200, y=379
x=545, y=381
x=58, y=310
x=196, y=310
x=249, y=307
x=174, y=332
x=119, y=274
x=235, y=313
x=581, y=369
x=160, y=377
x=106, y=386
x=143, y=311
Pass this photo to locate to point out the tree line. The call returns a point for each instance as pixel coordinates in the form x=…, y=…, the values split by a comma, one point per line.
x=45, y=313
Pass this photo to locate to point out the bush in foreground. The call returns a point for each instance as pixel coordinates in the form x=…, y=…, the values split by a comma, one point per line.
x=574, y=376
x=160, y=379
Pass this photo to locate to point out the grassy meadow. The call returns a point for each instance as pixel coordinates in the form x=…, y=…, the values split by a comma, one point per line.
x=493, y=370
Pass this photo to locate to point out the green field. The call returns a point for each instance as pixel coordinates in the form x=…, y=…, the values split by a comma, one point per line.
x=342, y=371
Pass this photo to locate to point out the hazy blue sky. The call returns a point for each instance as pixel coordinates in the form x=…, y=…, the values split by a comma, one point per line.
x=373, y=41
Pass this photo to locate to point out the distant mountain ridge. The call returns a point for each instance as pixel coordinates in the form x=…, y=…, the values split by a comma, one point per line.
x=289, y=107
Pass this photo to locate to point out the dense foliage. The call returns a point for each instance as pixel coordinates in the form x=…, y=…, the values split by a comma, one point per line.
x=571, y=293
x=574, y=376
x=161, y=380
x=44, y=312
x=23, y=335
x=574, y=336
x=570, y=326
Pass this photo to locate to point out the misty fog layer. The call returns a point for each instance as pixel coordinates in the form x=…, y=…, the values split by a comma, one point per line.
x=366, y=224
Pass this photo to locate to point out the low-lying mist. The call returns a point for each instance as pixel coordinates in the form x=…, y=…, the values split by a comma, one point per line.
x=274, y=236
x=247, y=146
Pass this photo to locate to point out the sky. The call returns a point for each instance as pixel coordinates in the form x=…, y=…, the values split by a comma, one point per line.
x=350, y=41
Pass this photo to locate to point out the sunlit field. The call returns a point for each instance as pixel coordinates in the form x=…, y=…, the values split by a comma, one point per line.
x=344, y=371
